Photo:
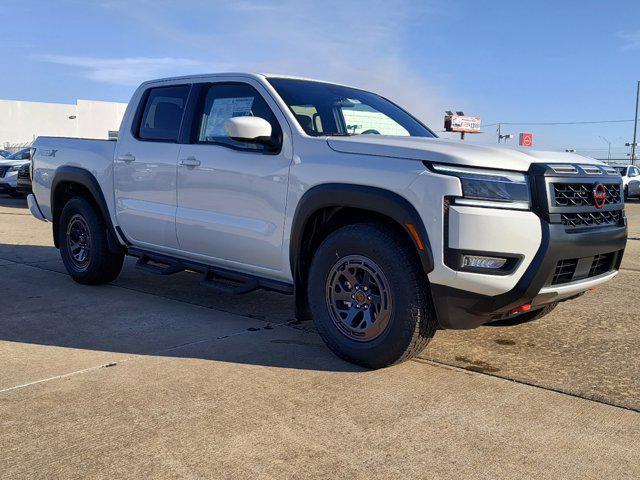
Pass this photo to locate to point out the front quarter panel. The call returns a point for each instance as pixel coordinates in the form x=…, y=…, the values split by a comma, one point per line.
x=314, y=164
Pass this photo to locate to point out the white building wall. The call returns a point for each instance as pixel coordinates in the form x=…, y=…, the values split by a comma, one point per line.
x=95, y=119
x=21, y=122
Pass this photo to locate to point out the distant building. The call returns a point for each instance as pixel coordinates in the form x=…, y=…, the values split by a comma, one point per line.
x=21, y=122
x=616, y=161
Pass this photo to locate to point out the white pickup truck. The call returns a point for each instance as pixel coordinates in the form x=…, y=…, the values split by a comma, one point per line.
x=383, y=232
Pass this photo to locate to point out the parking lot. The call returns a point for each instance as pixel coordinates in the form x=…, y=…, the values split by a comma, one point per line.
x=157, y=377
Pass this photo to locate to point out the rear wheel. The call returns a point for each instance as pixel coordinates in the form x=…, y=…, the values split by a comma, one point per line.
x=368, y=296
x=84, y=246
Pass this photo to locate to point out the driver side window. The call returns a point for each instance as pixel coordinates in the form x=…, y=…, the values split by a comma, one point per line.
x=229, y=100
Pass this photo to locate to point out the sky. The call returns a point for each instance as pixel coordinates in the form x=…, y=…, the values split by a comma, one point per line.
x=505, y=61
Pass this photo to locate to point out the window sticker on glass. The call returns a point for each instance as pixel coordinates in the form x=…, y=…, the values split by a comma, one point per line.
x=224, y=109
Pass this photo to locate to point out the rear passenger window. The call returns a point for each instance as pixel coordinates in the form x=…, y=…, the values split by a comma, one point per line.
x=163, y=113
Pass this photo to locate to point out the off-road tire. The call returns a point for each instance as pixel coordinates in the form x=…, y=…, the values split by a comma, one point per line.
x=103, y=265
x=412, y=322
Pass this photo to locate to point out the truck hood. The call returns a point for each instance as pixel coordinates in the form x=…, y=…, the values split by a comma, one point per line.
x=453, y=152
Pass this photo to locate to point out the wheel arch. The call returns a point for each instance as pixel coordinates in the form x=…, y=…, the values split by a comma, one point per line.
x=333, y=199
x=72, y=181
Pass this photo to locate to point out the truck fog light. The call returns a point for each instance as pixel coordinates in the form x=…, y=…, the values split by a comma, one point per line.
x=479, y=261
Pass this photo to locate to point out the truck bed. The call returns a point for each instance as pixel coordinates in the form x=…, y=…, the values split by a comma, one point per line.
x=51, y=153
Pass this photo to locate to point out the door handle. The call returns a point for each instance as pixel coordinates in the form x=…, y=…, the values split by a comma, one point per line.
x=190, y=162
x=126, y=158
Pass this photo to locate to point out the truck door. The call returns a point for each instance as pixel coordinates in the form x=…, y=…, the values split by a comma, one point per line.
x=145, y=168
x=232, y=194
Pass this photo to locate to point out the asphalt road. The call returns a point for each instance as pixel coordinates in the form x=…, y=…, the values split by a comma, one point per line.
x=158, y=377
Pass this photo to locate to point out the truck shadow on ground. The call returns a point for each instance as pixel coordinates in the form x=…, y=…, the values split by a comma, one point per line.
x=11, y=202
x=139, y=314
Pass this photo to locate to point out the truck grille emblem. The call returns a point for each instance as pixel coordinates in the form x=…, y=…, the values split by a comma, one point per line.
x=599, y=195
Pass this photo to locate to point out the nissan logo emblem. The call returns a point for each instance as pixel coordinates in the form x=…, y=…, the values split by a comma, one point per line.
x=599, y=195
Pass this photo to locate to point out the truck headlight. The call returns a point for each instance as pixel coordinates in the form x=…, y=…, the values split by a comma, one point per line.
x=490, y=188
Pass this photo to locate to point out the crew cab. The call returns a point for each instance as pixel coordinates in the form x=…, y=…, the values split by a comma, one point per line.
x=382, y=231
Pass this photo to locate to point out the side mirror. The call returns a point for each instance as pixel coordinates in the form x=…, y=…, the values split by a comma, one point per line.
x=248, y=129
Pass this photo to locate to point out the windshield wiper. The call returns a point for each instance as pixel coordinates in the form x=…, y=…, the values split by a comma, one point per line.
x=336, y=134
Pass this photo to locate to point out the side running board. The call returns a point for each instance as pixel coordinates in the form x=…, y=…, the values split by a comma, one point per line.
x=159, y=265
x=229, y=283
x=219, y=280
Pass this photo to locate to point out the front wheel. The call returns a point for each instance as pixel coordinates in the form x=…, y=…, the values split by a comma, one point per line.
x=368, y=296
x=84, y=246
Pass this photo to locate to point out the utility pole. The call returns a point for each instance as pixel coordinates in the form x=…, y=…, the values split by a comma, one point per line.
x=635, y=128
x=608, y=143
x=499, y=135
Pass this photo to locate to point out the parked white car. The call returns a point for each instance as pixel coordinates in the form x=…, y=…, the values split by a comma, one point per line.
x=631, y=180
x=9, y=168
x=263, y=182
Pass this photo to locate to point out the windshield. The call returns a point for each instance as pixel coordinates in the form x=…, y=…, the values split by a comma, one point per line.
x=4, y=153
x=20, y=155
x=327, y=109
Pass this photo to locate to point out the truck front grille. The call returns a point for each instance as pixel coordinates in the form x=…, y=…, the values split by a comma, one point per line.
x=573, y=269
x=564, y=271
x=602, y=263
x=580, y=194
x=589, y=219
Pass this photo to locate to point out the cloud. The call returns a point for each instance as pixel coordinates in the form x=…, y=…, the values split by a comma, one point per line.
x=129, y=71
x=362, y=43
x=631, y=40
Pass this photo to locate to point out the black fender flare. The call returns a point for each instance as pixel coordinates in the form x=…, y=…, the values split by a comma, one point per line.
x=378, y=200
x=86, y=179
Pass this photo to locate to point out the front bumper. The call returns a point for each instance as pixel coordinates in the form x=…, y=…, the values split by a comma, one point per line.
x=7, y=188
x=9, y=182
x=460, y=309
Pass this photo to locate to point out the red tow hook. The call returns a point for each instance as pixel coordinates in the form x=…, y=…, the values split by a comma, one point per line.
x=521, y=309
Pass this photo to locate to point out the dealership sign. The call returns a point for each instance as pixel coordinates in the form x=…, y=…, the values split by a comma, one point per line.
x=526, y=139
x=462, y=123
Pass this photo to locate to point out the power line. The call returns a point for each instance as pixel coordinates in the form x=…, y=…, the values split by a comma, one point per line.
x=556, y=123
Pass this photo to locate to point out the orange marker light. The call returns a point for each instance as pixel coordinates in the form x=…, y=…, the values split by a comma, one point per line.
x=414, y=234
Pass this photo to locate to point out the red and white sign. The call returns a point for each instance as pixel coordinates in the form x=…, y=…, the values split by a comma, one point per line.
x=526, y=139
x=462, y=123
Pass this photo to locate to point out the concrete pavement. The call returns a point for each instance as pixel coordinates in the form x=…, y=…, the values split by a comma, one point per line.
x=156, y=377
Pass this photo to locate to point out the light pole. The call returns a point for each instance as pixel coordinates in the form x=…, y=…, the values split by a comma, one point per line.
x=635, y=128
x=608, y=143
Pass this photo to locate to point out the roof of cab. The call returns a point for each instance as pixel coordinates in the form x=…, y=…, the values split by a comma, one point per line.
x=260, y=76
